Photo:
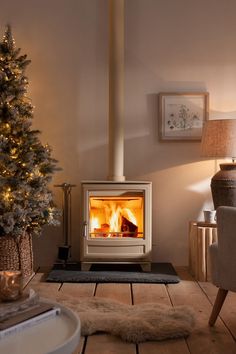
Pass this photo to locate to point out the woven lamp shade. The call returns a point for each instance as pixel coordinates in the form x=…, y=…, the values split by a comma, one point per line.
x=219, y=138
x=219, y=141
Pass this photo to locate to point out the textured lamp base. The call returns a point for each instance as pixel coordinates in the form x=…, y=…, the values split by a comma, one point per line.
x=223, y=186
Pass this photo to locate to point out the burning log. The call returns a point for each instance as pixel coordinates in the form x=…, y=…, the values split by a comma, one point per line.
x=102, y=231
x=129, y=229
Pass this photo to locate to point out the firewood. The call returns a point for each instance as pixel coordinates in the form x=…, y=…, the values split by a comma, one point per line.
x=102, y=231
x=129, y=229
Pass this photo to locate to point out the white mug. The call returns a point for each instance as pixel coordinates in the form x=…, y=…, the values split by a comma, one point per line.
x=209, y=216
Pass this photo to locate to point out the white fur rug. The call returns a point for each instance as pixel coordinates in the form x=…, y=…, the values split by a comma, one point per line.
x=133, y=323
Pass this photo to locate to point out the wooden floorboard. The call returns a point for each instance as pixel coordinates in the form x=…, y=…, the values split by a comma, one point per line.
x=228, y=311
x=204, y=339
x=38, y=284
x=104, y=343
x=199, y=295
x=118, y=292
x=79, y=290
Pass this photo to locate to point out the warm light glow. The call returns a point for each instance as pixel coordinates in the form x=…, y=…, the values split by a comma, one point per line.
x=7, y=196
x=114, y=218
x=129, y=215
x=94, y=223
x=114, y=221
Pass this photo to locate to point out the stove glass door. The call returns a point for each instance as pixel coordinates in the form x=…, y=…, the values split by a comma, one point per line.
x=116, y=214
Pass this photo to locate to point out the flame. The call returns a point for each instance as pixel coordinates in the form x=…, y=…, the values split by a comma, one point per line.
x=129, y=215
x=94, y=223
x=113, y=218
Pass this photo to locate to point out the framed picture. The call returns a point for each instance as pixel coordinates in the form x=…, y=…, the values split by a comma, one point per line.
x=182, y=114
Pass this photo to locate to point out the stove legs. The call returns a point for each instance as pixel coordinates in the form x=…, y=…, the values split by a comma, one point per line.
x=86, y=266
x=146, y=267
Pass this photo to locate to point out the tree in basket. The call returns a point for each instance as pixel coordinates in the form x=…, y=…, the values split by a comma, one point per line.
x=26, y=166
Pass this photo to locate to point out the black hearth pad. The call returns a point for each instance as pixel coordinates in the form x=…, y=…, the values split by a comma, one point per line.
x=113, y=273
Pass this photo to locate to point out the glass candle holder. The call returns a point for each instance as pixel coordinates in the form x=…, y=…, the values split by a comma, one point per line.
x=11, y=285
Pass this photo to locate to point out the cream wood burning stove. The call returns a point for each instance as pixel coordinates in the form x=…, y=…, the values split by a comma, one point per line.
x=116, y=223
x=116, y=214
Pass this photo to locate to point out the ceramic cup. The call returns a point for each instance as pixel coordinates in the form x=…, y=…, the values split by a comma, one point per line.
x=209, y=216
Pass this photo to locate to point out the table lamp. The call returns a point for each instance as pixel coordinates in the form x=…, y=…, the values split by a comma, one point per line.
x=219, y=141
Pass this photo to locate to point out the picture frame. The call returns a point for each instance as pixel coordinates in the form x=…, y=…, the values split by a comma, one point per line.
x=182, y=115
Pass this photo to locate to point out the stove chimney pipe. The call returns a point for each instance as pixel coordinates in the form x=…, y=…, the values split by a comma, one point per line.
x=116, y=90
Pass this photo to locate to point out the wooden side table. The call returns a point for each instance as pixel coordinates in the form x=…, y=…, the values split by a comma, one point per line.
x=56, y=335
x=201, y=235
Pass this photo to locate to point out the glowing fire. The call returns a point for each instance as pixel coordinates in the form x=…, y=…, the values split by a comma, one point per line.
x=118, y=221
x=130, y=216
x=94, y=223
x=115, y=219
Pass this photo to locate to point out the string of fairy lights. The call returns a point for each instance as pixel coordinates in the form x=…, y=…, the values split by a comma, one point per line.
x=26, y=166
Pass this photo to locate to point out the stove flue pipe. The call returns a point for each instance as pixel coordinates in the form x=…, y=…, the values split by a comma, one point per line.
x=116, y=90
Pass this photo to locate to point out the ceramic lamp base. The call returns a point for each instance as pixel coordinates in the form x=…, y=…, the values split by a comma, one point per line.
x=223, y=186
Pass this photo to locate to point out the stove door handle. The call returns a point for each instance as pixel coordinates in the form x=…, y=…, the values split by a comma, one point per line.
x=85, y=225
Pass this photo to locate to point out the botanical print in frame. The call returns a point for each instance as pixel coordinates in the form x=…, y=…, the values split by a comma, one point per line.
x=181, y=115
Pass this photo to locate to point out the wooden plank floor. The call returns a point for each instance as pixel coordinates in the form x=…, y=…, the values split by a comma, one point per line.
x=204, y=340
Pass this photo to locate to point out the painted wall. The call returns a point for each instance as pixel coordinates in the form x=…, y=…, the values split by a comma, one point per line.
x=181, y=45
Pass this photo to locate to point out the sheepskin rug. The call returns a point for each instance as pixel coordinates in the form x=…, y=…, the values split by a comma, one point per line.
x=133, y=323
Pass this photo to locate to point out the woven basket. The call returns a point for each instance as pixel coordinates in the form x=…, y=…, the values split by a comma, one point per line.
x=17, y=254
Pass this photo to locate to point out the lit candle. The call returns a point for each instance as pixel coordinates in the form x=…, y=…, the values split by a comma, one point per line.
x=10, y=285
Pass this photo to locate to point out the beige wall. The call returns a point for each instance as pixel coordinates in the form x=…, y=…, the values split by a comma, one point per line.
x=171, y=45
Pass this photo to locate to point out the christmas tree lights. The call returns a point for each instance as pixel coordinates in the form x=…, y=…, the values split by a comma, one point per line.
x=26, y=166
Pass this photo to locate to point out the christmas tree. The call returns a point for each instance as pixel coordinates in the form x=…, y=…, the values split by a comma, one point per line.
x=26, y=166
